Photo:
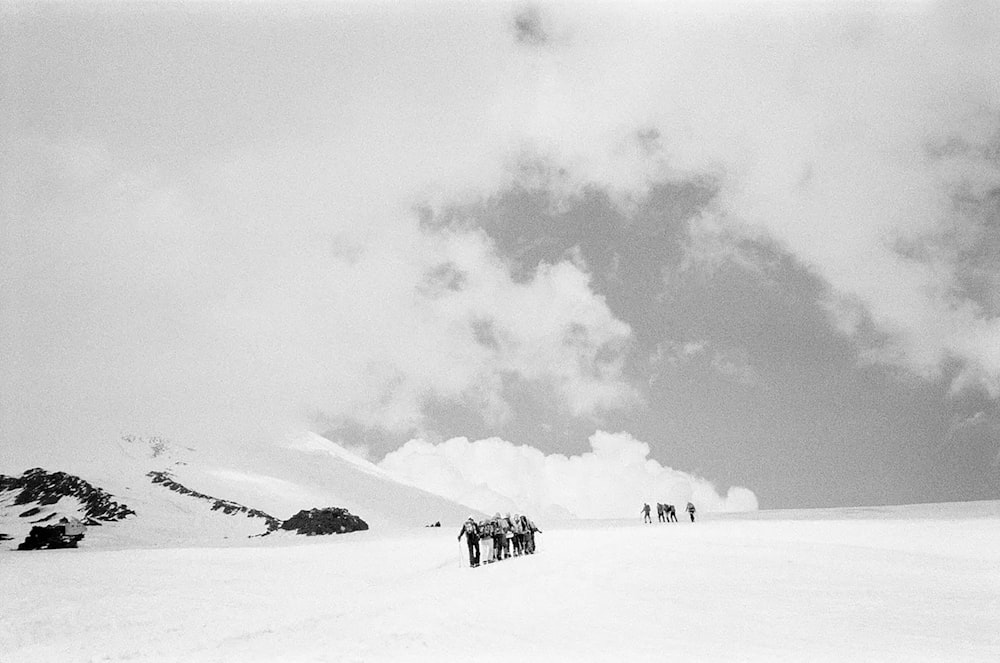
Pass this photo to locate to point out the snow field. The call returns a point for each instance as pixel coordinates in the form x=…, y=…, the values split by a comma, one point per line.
x=879, y=589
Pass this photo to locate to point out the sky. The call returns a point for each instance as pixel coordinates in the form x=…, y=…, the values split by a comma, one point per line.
x=761, y=239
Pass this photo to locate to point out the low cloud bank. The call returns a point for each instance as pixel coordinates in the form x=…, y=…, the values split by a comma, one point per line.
x=611, y=481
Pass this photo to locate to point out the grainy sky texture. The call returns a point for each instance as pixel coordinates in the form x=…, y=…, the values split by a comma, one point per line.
x=762, y=238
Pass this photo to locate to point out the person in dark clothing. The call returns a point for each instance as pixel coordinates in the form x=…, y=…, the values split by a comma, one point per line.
x=530, y=530
x=660, y=513
x=670, y=512
x=690, y=510
x=471, y=532
x=646, y=518
x=499, y=537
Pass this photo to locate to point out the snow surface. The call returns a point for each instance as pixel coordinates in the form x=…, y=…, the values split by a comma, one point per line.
x=917, y=583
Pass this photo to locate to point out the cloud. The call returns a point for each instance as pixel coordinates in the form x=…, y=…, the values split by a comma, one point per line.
x=253, y=301
x=529, y=28
x=208, y=239
x=841, y=134
x=612, y=480
x=732, y=363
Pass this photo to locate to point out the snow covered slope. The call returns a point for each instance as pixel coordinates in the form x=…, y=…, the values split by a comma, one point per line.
x=184, y=497
x=892, y=584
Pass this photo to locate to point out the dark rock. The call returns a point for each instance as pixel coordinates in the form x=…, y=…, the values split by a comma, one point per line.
x=37, y=485
x=34, y=511
x=166, y=480
x=48, y=537
x=331, y=520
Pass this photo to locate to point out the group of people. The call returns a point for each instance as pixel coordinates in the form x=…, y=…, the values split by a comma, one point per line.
x=665, y=513
x=499, y=537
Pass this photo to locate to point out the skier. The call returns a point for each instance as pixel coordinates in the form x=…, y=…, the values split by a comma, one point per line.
x=646, y=518
x=486, y=541
x=517, y=527
x=530, y=529
x=499, y=537
x=659, y=513
x=690, y=510
x=471, y=532
x=508, y=535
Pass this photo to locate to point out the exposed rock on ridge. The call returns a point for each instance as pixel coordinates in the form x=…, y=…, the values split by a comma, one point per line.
x=226, y=506
x=38, y=486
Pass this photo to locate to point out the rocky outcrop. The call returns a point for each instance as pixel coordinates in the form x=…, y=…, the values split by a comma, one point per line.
x=49, y=537
x=166, y=480
x=330, y=520
x=41, y=487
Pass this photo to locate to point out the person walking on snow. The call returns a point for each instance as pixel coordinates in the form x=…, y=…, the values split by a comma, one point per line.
x=646, y=518
x=659, y=513
x=499, y=537
x=690, y=510
x=471, y=532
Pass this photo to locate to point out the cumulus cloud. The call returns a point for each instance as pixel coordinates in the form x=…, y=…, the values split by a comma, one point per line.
x=612, y=480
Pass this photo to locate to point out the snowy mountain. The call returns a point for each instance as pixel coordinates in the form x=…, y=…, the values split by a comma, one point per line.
x=147, y=492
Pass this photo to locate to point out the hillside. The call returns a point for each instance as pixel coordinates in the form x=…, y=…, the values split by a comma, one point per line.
x=169, y=495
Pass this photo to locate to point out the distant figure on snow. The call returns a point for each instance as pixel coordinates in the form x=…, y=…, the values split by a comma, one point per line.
x=670, y=512
x=471, y=532
x=659, y=513
x=690, y=510
x=646, y=518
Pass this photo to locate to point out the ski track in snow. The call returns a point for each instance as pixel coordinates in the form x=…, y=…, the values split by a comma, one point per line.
x=886, y=587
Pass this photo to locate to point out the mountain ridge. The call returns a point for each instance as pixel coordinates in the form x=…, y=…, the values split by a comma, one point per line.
x=168, y=495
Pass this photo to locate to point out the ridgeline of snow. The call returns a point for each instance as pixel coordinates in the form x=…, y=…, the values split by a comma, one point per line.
x=301, y=472
x=916, y=584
